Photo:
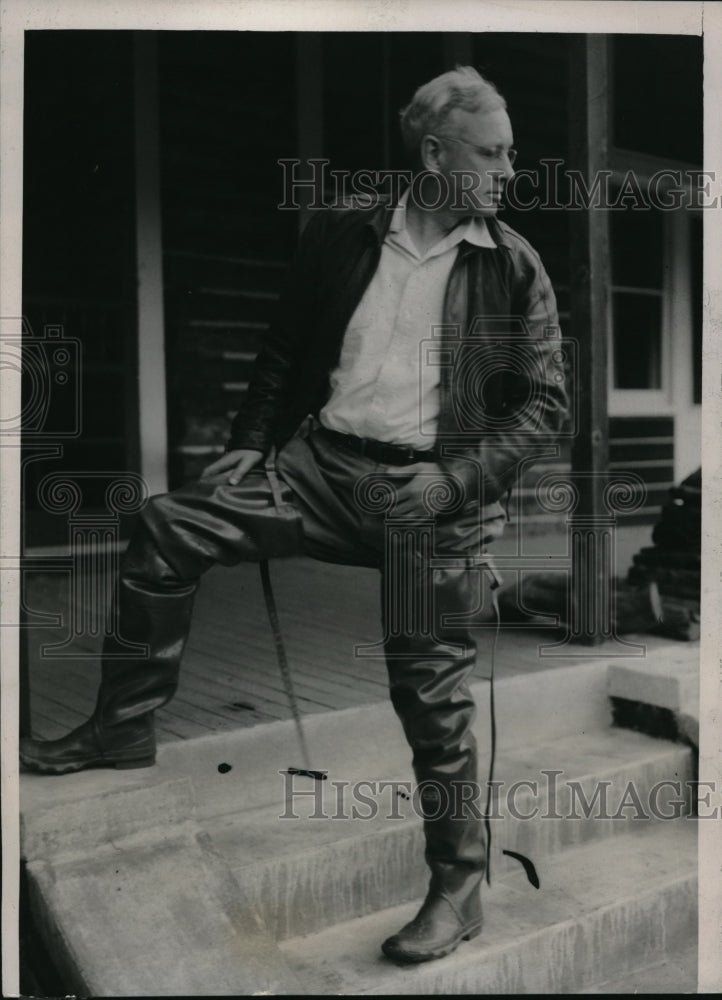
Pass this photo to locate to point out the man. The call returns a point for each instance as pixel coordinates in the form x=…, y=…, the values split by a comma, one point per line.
x=344, y=361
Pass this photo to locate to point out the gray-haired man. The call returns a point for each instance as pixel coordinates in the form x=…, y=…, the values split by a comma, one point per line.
x=343, y=361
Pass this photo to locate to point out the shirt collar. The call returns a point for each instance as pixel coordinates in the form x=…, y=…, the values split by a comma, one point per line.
x=474, y=230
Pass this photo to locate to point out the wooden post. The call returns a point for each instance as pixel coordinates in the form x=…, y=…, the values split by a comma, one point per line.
x=589, y=282
x=149, y=249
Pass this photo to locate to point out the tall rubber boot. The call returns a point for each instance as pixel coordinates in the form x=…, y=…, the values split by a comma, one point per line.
x=428, y=675
x=180, y=535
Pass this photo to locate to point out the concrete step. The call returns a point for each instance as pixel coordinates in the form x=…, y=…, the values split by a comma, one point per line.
x=671, y=686
x=551, y=719
x=325, y=855
x=602, y=910
x=676, y=973
x=155, y=913
x=353, y=743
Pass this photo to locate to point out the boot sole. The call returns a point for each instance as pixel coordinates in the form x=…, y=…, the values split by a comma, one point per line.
x=410, y=958
x=71, y=768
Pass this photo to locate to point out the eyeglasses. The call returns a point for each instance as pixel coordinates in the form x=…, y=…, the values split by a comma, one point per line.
x=488, y=154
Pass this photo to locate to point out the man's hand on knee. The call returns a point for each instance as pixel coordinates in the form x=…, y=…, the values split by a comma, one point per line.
x=236, y=463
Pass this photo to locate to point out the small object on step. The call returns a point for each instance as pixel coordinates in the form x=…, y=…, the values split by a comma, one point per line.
x=528, y=867
x=316, y=775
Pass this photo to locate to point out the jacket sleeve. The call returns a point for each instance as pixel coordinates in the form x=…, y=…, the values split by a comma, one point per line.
x=254, y=424
x=534, y=399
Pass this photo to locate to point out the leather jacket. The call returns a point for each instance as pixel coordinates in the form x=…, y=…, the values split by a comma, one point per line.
x=501, y=369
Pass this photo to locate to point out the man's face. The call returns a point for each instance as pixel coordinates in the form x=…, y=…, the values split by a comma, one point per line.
x=475, y=154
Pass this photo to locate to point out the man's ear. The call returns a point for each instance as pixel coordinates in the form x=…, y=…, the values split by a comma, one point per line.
x=430, y=151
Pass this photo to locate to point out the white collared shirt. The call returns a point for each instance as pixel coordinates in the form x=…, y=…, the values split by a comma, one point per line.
x=381, y=389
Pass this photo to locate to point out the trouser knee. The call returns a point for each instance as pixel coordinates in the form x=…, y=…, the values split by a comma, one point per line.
x=174, y=541
x=143, y=558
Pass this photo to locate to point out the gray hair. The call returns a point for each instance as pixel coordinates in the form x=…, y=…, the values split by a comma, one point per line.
x=432, y=103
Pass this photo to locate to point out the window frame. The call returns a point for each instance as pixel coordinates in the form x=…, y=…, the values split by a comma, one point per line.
x=677, y=390
x=628, y=402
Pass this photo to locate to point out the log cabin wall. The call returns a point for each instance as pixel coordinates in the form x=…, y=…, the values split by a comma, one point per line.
x=79, y=267
x=227, y=114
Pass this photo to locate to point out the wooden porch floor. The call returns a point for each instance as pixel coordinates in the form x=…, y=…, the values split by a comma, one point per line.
x=230, y=675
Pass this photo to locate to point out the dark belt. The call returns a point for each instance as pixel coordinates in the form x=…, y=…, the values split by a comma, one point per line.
x=378, y=451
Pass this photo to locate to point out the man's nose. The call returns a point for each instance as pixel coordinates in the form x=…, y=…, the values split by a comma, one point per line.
x=503, y=174
x=508, y=169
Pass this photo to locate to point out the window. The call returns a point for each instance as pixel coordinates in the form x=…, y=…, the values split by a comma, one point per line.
x=638, y=350
x=637, y=324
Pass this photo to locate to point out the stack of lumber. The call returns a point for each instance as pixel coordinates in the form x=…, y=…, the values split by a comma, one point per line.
x=673, y=563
